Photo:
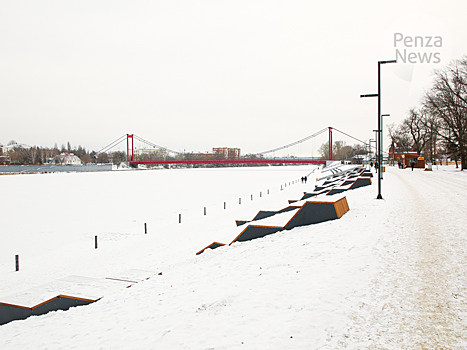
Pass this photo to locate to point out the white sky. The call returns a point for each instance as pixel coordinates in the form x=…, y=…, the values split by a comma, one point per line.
x=200, y=74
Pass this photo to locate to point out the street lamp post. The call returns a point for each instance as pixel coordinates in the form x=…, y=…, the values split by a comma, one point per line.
x=378, y=149
x=382, y=136
x=376, y=152
x=369, y=152
x=371, y=141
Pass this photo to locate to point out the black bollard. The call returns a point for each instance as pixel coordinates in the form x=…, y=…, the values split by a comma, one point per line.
x=239, y=201
x=145, y=228
x=179, y=218
x=260, y=194
x=95, y=242
x=224, y=205
x=17, y=262
x=204, y=210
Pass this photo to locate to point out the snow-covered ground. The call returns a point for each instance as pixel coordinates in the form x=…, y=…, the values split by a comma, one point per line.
x=390, y=274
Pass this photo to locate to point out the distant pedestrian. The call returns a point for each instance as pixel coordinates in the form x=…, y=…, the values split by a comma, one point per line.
x=371, y=164
x=376, y=166
x=412, y=164
x=305, y=178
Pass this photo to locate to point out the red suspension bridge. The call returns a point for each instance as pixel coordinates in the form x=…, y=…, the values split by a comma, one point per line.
x=168, y=156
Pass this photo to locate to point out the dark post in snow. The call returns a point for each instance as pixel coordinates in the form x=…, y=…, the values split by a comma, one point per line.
x=95, y=242
x=224, y=205
x=145, y=228
x=239, y=201
x=179, y=218
x=17, y=262
x=260, y=194
x=204, y=210
x=268, y=191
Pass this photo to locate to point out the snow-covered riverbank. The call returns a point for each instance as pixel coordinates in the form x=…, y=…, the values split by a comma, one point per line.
x=390, y=274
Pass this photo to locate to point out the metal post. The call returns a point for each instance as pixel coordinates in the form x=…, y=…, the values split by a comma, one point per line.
x=204, y=210
x=95, y=242
x=224, y=205
x=239, y=201
x=17, y=262
x=379, y=132
x=145, y=228
x=382, y=147
x=179, y=218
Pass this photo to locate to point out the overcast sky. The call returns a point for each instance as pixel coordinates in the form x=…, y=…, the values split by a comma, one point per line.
x=192, y=75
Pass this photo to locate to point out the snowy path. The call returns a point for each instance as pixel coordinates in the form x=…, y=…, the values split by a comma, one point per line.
x=419, y=299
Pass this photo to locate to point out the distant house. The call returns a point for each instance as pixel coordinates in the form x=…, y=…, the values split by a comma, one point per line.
x=4, y=159
x=406, y=158
x=66, y=159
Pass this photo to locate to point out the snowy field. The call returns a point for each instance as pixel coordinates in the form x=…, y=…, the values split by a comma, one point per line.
x=390, y=274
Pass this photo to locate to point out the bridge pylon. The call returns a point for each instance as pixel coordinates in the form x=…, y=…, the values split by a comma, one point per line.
x=128, y=138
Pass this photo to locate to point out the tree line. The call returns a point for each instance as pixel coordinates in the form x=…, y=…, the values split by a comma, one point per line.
x=25, y=155
x=437, y=128
x=342, y=151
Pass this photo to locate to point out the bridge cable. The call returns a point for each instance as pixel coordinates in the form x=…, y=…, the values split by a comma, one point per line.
x=154, y=145
x=294, y=143
x=111, y=145
x=350, y=136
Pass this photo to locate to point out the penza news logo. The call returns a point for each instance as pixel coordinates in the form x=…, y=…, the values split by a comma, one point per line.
x=417, y=49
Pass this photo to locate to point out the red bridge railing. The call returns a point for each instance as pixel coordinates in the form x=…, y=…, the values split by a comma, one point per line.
x=233, y=161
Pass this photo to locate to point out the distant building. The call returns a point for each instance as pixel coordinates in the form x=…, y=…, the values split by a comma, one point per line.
x=217, y=153
x=66, y=159
x=4, y=159
x=225, y=152
x=406, y=158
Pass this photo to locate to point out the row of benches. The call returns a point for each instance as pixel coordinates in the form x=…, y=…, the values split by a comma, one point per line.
x=303, y=212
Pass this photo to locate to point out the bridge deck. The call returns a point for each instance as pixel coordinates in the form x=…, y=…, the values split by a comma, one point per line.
x=232, y=161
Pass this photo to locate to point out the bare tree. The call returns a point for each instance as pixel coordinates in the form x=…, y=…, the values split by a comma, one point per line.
x=415, y=126
x=400, y=138
x=447, y=102
x=33, y=151
x=341, y=151
x=323, y=150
